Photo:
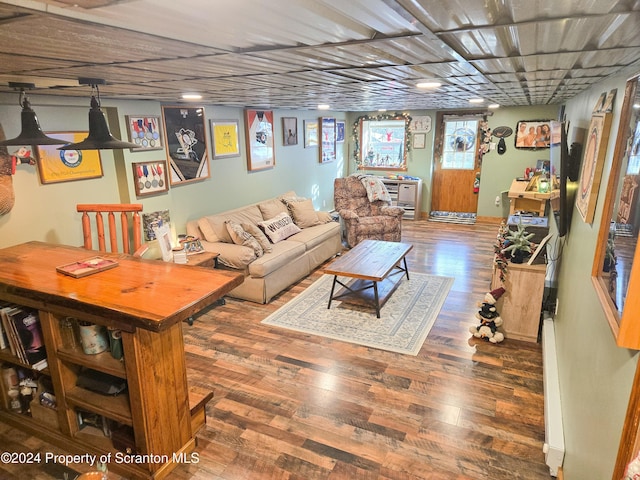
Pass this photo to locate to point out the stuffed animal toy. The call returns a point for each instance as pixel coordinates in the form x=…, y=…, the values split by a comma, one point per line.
x=489, y=318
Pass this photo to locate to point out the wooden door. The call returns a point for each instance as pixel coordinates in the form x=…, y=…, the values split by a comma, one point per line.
x=452, y=189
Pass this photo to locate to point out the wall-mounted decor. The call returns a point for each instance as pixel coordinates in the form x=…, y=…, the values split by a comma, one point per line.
x=144, y=130
x=289, y=131
x=592, y=165
x=533, y=134
x=150, y=178
x=260, y=143
x=310, y=133
x=328, y=149
x=224, y=135
x=421, y=124
x=340, y=129
x=56, y=166
x=186, y=144
x=419, y=140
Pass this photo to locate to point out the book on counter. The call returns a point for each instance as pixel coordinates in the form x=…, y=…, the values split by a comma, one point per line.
x=87, y=267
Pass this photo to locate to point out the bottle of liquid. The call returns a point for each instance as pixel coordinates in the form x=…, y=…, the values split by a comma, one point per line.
x=14, y=401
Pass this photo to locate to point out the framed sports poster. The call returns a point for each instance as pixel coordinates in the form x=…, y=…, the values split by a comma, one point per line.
x=328, y=149
x=260, y=142
x=186, y=144
x=224, y=135
x=55, y=166
x=592, y=165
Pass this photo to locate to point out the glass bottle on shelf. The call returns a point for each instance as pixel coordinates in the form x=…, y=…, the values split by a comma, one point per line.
x=68, y=333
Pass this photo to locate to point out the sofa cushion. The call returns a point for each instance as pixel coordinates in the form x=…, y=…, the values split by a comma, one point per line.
x=315, y=235
x=259, y=236
x=241, y=237
x=272, y=208
x=214, y=229
x=235, y=256
x=303, y=213
x=279, y=227
x=283, y=253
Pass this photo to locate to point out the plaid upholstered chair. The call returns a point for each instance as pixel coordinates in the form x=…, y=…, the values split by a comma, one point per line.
x=362, y=218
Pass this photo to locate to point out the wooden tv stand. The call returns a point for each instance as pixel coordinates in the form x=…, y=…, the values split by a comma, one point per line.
x=147, y=300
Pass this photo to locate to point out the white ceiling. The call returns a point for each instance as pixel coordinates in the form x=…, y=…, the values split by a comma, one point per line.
x=355, y=55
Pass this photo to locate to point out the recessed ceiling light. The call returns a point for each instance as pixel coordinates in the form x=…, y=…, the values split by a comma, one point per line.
x=382, y=109
x=428, y=84
x=323, y=106
x=494, y=105
x=191, y=96
x=476, y=100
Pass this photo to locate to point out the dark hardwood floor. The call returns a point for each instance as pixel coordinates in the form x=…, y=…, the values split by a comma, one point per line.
x=295, y=406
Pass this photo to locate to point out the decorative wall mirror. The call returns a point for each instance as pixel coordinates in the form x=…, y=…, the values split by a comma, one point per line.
x=616, y=267
x=382, y=142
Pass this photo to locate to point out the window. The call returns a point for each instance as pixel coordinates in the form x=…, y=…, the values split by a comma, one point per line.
x=459, y=143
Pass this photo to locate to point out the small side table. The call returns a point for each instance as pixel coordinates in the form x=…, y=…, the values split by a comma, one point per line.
x=207, y=260
x=204, y=259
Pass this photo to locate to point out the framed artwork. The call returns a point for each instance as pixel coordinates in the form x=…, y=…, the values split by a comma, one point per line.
x=260, y=143
x=533, y=134
x=310, y=133
x=186, y=144
x=153, y=220
x=420, y=124
x=144, y=130
x=340, y=129
x=328, y=149
x=419, y=140
x=224, y=135
x=289, y=131
x=593, y=164
x=55, y=166
x=150, y=178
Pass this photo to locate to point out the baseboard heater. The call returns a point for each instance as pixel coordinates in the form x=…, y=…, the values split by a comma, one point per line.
x=553, y=431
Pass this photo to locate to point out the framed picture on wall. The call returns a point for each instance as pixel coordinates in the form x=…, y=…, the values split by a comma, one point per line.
x=289, y=131
x=340, y=129
x=224, y=135
x=150, y=178
x=260, y=143
x=310, y=133
x=55, y=166
x=144, y=130
x=533, y=134
x=328, y=149
x=419, y=140
x=186, y=144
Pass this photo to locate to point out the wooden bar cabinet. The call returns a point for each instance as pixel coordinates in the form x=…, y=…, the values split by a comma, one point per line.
x=147, y=301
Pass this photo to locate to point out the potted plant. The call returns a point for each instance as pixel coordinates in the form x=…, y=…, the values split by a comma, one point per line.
x=518, y=244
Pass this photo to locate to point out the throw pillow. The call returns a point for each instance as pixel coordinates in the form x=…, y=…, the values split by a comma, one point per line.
x=259, y=236
x=214, y=229
x=279, y=227
x=240, y=237
x=272, y=208
x=325, y=217
x=303, y=213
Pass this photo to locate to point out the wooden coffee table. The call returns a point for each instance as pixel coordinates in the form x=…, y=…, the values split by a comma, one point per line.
x=377, y=268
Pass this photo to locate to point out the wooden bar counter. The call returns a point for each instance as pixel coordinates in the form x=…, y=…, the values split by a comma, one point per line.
x=147, y=300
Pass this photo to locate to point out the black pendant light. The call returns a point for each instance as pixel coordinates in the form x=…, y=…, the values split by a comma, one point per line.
x=31, y=133
x=99, y=137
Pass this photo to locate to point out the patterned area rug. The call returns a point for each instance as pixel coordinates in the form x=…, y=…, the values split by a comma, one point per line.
x=404, y=323
x=452, y=217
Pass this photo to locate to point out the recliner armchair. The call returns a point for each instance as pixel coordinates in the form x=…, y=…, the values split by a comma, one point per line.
x=364, y=219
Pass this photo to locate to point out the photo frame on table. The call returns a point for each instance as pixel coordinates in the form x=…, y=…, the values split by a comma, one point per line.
x=145, y=131
x=310, y=133
x=186, y=144
x=340, y=131
x=261, y=152
x=153, y=220
x=150, y=178
x=595, y=150
x=328, y=148
x=289, y=131
x=56, y=166
x=419, y=140
x=224, y=135
x=163, y=235
x=533, y=134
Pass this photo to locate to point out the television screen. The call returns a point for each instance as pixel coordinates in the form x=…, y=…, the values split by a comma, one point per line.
x=561, y=169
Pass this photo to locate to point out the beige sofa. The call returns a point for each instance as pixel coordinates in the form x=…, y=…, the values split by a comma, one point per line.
x=269, y=267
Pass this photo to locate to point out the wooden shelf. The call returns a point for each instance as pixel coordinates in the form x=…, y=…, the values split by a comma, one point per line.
x=103, y=362
x=406, y=194
x=115, y=407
